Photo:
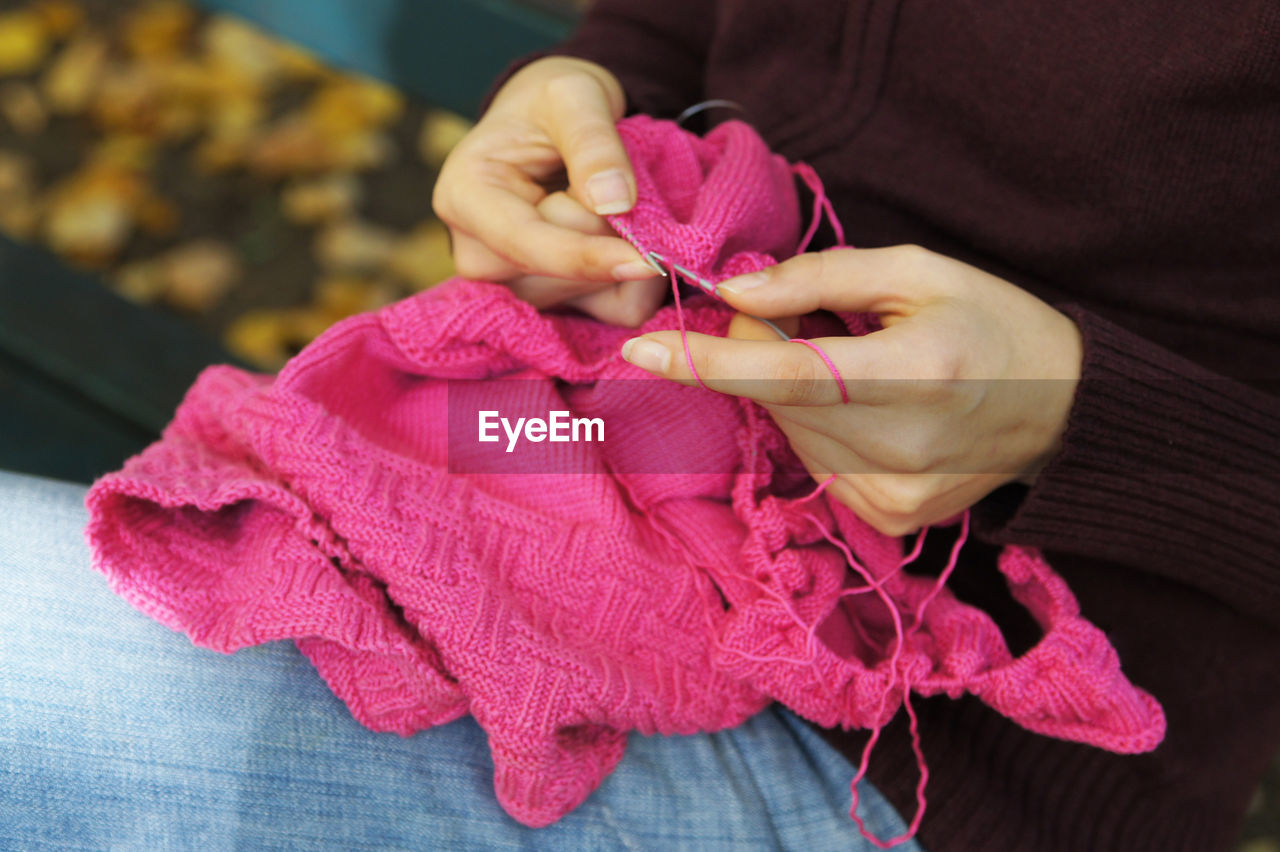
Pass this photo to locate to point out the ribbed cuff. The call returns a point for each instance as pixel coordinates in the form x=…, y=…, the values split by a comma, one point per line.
x=1165, y=467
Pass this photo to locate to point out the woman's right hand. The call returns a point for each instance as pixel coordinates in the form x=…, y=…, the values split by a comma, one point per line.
x=525, y=192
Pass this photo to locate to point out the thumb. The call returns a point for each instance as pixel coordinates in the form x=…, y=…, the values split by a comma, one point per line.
x=883, y=281
x=582, y=113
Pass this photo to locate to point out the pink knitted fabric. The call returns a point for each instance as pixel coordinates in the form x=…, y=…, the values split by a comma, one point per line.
x=564, y=610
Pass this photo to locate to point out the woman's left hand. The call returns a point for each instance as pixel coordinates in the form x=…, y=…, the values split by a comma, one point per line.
x=967, y=386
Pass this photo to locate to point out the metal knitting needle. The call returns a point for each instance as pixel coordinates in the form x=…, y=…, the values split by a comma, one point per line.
x=714, y=103
x=654, y=260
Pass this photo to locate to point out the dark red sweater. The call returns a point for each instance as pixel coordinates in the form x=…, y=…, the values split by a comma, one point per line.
x=1120, y=159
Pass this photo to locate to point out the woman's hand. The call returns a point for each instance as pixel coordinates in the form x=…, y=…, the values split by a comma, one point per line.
x=550, y=128
x=967, y=386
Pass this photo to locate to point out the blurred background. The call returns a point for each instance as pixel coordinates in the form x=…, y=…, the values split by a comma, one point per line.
x=184, y=184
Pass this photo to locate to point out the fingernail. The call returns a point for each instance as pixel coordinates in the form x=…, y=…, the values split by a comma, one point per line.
x=742, y=283
x=634, y=270
x=609, y=193
x=647, y=355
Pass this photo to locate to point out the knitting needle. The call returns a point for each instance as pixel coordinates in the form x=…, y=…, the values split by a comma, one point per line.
x=654, y=260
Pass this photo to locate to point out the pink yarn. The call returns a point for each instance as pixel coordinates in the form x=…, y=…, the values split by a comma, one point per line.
x=563, y=611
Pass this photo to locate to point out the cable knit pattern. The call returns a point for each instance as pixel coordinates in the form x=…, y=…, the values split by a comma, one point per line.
x=563, y=611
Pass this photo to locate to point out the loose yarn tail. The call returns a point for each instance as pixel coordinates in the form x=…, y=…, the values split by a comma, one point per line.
x=821, y=204
x=916, y=746
x=900, y=636
x=899, y=684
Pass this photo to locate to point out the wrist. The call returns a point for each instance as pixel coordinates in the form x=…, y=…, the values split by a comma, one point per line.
x=1065, y=361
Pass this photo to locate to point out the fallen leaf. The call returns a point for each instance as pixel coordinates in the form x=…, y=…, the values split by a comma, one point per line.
x=89, y=215
x=422, y=259
x=197, y=275
x=354, y=246
x=24, y=42
x=72, y=78
x=59, y=17
x=310, y=202
x=233, y=125
x=142, y=282
x=129, y=152
x=300, y=64
x=354, y=104
x=22, y=108
x=341, y=296
x=89, y=229
x=19, y=209
x=297, y=146
x=16, y=175
x=158, y=216
x=128, y=97
x=362, y=151
x=220, y=153
x=259, y=338
x=292, y=145
x=158, y=29
x=441, y=131
x=269, y=337
x=236, y=47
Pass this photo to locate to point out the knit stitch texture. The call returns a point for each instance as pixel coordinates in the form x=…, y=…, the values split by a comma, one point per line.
x=565, y=610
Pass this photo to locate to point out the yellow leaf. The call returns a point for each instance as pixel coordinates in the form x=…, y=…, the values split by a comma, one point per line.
x=19, y=210
x=354, y=104
x=59, y=17
x=141, y=282
x=341, y=296
x=259, y=337
x=129, y=152
x=158, y=216
x=158, y=29
x=198, y=274
x=234, y=47
x=128, y=97
x=73, y=76
x=422, y=259
x=24, y=42
x=441, y=131
x=22, y=108
x=88, y=228
x=309, y=202
x=352, y=246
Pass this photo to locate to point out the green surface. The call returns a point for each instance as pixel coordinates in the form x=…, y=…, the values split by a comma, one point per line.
x=86, y=378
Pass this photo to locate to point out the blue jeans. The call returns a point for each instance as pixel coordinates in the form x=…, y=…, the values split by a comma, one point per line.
x=116, y=733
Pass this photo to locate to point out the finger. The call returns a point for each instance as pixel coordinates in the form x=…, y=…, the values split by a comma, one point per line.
x=629, y=304
x=747, y=327
x=774, y=372
x=544, y=292
x=472, y=259
x=889, y=281
x=619, y=304
x=872, y=367
x=516, y=232
x=581, y=119
x=561, y=209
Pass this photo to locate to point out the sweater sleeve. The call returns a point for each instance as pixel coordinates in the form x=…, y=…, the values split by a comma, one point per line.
x=1165, y=467
x=657, y=49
